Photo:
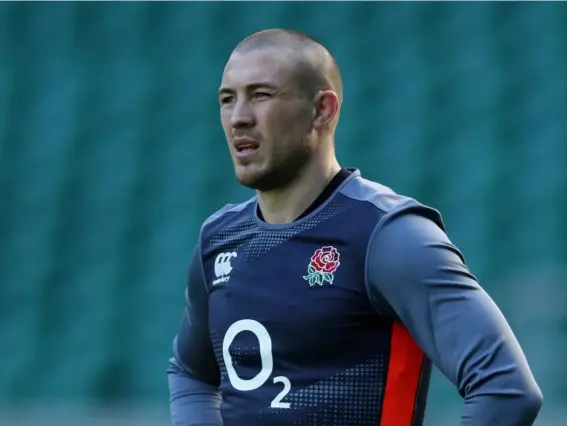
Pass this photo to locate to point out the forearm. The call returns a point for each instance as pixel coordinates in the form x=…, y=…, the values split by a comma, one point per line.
x=496, y=382
x=193, y=374
x=502, y=410
x=193, y=402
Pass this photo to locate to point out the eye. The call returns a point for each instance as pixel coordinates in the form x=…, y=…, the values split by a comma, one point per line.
x=226, y=99
x=261, y=95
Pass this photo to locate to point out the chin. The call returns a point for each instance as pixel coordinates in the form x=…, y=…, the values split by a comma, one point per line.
x=265, y=180
x=252, y=180
x=269, y=175
x=255, y=178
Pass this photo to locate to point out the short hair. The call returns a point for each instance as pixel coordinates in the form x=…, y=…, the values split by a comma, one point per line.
x=316, y=67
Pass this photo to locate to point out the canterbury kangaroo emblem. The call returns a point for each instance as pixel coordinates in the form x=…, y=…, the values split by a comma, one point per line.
x=223, y=267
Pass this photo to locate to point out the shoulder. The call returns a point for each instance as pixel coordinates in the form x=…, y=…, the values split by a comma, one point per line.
x=390, y=204
x=227, y=217
x=229, y=211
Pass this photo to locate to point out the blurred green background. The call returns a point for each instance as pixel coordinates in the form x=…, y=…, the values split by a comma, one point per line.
x=111, y=154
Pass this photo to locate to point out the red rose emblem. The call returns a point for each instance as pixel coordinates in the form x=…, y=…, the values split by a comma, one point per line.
x=325, y=259
x=323, y=263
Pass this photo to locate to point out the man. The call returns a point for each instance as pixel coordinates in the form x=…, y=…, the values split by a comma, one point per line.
x=325, y=299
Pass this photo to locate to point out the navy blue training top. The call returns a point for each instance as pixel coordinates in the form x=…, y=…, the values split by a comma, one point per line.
x=336, y=318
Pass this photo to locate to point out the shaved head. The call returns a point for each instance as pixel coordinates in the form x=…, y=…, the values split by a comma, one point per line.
x=315, y=68
x=279, y=98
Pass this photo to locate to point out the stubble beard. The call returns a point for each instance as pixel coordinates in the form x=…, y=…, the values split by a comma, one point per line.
x=280, y=173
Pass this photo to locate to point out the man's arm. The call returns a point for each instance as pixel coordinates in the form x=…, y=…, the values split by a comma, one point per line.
x=193, y=373
x=419, y=277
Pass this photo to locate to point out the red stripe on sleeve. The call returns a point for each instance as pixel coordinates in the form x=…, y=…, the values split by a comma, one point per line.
x=402, y=381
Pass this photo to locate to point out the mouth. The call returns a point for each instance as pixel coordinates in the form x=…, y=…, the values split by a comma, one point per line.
x=245, y=146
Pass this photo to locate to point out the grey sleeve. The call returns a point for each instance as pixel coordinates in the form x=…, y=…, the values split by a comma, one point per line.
x=193, y=374
x=416, y=275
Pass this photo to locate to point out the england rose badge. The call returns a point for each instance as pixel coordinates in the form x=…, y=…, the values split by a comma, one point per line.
x=324, y=263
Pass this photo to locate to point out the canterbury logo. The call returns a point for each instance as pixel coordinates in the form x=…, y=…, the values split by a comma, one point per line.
x=223, y=267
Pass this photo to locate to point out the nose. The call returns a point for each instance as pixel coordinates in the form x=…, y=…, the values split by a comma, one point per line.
x=242, y=116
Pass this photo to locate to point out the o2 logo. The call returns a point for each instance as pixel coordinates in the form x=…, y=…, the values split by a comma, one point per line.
x=265, y=342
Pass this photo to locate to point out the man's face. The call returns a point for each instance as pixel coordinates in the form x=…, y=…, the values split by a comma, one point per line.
x=266, y=120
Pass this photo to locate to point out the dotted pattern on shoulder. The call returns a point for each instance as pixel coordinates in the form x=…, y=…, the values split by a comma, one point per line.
x=253, y=241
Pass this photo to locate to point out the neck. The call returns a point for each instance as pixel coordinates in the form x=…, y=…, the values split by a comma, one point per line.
x=284, y=205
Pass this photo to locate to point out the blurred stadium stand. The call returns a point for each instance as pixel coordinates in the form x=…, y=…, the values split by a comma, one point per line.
x=111, y=155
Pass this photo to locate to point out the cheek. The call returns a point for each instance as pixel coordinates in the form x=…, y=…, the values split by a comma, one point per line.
x=276, y=120
x=225, y=123
x=282, y=128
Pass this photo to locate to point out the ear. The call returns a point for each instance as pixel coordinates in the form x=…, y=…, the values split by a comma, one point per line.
x=326, y=108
